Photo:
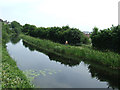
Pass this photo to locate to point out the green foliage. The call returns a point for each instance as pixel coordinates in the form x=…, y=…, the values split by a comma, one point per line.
x=29, y=29
x=5, y=33
x=15, y=24
x=109, y=59
x=12, y=77
x=16, y=27
x=107, y=39
x=5, y=27
x=57, y=34
x=15, y=39
x=17, y=31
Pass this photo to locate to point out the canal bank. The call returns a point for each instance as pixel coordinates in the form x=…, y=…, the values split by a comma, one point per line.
x=97, y=71
x=109, y=59
x=47, y=71
x=12, y=76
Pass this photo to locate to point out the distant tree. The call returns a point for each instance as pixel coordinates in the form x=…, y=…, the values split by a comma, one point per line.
x=107, y=39
x=95, y=31
x=26, y=28
x=16, y=27
x=15, y=24
x=56, y=34
x=5, y=27
x=65, y=27
x=17, y=30
x=15, y=39
x=5, y=33
x=74, y=36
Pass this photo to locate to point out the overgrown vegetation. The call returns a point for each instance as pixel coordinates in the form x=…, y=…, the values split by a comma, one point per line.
x=0, y=60
x=108, y=59
x=15, y=27
x=59, y=57
x=12, y=77
x=107, y=39
x=57, y=34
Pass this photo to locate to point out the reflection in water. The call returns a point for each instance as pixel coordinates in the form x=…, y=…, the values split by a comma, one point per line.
x=101, y=73
x=105, y=74
x=15, y=39
x=47, y=68
x=53, y=56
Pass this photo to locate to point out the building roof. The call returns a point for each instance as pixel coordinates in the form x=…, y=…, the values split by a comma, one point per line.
x=86, y=32
x=1, y=20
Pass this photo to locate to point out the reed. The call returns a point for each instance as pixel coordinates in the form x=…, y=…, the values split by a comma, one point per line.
x=109, y=59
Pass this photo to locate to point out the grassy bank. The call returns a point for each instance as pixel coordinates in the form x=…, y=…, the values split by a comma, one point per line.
x=109, y=59
x=0, y=61
x=12, y=77
x=58, y=57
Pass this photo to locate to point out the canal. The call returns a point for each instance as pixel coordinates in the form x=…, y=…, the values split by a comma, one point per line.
x=46, y=70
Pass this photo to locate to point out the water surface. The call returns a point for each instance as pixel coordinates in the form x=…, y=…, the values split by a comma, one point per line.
x=50, y=71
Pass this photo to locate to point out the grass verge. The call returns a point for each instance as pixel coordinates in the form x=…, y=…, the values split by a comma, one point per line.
x=109, y=59
x=12, y=77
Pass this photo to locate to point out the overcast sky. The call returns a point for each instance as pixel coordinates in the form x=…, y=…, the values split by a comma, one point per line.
x=82, y=14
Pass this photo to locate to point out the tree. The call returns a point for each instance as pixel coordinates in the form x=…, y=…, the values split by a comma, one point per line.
x=56, y=34
x=107, y=39
x=16, y=27
x=5, y=33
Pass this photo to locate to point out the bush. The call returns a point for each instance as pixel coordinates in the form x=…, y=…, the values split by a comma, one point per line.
x=107, y=39
x=57, y=34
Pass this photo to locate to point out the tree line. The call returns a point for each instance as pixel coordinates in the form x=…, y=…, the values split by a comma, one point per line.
x=57, y=34
x=107, y=39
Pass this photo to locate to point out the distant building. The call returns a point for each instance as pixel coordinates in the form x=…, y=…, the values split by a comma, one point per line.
x=5, y=22
x=1, y=20
x=87, y=33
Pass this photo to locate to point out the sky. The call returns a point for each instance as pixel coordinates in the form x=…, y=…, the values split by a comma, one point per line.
x=81, y=14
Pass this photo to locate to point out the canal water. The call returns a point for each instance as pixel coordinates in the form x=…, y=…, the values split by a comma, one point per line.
x=47, y=70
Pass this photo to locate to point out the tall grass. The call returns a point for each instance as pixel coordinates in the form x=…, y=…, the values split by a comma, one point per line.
x=109, y=59
x=0, y=61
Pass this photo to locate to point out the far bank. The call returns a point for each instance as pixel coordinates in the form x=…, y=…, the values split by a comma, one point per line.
x=108, y=59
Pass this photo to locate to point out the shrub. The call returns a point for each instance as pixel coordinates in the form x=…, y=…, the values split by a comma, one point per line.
x=107, y=39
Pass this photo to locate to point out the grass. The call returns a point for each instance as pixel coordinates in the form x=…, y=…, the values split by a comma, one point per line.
x=109, y=59
x=12, y=77
x=0, y=61
x=63, y=59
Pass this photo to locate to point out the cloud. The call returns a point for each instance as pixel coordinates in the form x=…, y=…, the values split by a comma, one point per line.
x=76, y=13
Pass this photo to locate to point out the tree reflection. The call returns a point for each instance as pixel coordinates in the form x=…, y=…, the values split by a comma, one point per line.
x=54, y=56
x=105, y=74
x=112, y=77
x=15, y=39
